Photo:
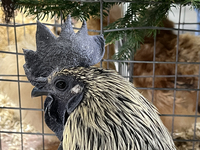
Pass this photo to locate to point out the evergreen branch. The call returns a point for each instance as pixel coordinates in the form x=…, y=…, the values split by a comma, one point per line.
x=141, y=13
x=61, y=8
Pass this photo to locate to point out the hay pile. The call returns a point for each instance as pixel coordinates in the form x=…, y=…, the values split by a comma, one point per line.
x=188, y=135
x=9, y=122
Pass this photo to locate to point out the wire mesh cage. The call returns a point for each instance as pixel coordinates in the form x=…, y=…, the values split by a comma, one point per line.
x=165, y=69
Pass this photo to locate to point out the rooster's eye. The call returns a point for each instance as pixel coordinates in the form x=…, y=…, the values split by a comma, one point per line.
x=61, y=84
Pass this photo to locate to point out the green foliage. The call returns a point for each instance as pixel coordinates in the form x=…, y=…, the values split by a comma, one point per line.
x=140, y=13
x=137, y=15
x=61, y=8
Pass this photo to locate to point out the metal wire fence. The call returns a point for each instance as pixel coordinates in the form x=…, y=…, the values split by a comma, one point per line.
x=18, y=129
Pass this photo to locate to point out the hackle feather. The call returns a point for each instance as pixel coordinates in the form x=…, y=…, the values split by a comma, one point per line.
x=112, y=115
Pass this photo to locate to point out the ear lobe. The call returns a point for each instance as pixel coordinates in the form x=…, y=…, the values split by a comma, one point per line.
x=75, y=97
x=74, y=102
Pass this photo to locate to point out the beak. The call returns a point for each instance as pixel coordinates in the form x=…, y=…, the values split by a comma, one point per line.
x=38, y=92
